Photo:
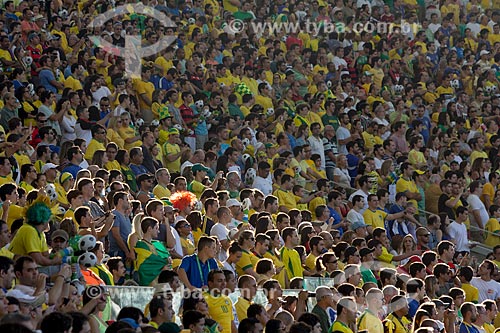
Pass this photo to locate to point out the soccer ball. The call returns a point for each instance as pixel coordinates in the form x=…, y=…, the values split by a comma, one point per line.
x=270, y=112
x=198, y=205
x=87, y=243
x=178, y=127
x=199, y=104
x=250, y=176
x=139, y=122
x=61, y=210
x=455, y=83
x=155, y=122
x=31, y=89
x=87, y=260
x=50, y=189
x=329, y=84
x=398, y=89
x=191, y=20
x=245, y=158
x=494, y=89
x=206, y=113
x=28, y=61
x=245, y=141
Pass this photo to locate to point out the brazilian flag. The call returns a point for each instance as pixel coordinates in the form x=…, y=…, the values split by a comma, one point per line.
x=151, y=260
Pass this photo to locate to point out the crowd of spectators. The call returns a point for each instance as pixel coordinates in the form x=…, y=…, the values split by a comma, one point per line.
x=253, y=155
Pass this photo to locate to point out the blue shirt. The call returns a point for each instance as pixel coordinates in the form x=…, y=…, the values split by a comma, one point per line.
x=72, y=169
x=122, y=222
x=337, y=218
x=464, y=328
x=413, y=305
x=45, y=77
x=190, y=265
x=138, y=169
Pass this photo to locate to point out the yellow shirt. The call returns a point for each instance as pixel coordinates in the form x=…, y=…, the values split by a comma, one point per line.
x=92, y=147
x=112, y=165
x=248, y=260
x=4, y=252
x=471, y=293
x=315, y=203
x=15, y=212
x=242, y=306
x=161, y=192
x=493, y=236
x=476, y=154
x=114, y=136
x=128, y=133
x=403, y=185
x=400, y=325
x=416, y=157
x=292, y=262
x=375, y=218
x=386, y=258
x=286, y=199
x=369, y=321
x=144, y=88
x=72, y=83
x=281, y=277
x=340, y=327
x=6, y=180
x=172, y=149
x=220, y=309
x=28, y=240
x=311, y=262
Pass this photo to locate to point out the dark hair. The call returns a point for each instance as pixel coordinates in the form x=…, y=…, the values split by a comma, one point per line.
x=191, y=317
x=56, y=322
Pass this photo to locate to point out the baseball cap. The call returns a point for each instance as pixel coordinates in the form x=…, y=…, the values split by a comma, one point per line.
x=232, y=203
x=173, y=131
x=199, y=167
x=483, y=52
x=358, y=224
x=48, y=166
x=59, y=233
x=143, y=177
x=55, y=37
x=365, y=251
x=420, y=172
x=413, y=259
x=350, y=251
x=39, y=17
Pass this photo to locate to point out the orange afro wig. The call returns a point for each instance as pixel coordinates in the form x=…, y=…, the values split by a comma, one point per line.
x=182, y=200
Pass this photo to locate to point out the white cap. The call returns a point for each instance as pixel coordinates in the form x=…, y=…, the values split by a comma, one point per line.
x=233, y=202
x=48, y=166
x=483, y=52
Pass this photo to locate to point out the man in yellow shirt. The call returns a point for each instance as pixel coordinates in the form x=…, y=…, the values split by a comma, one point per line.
x=73, y=81
x=163, y=179
x=346, y=315
x=220, y=306
x=369, y=319
x=374, y=217
x=97, y=142
x=248, y=286
x=407, y=185
x=397, y=318
x=289, y=256
x=317, y=245
x=173, y=152
x=5, y=171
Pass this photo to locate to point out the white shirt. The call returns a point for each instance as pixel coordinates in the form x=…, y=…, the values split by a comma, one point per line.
x=487, y=289
x=317, y=148
x=476, y=204
x=342, y=134
x=364, y=195
x=222, y=233
x=458, y=232
x=263, y=185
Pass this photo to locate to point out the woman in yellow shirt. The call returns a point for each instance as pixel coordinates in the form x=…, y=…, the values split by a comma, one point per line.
x=272, y=254
x=112, y=133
